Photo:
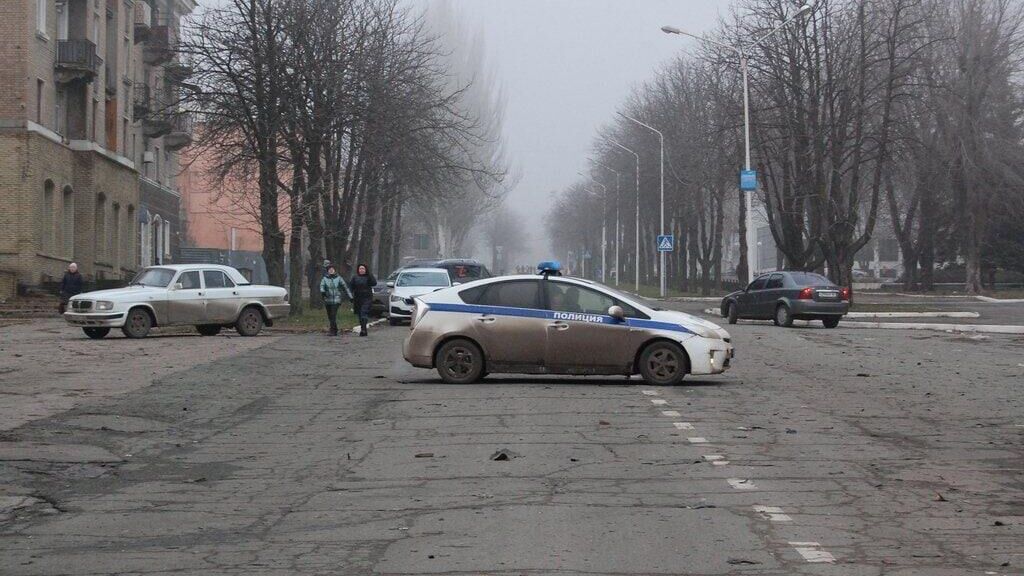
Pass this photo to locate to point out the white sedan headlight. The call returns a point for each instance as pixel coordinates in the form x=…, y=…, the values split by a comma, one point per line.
x=104, y=305
x=396, y=298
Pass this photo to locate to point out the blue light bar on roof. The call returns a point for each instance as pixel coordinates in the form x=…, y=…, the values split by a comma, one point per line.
x=550, y=267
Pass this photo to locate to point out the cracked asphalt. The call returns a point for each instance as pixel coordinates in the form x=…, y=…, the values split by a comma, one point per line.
x=852, y=452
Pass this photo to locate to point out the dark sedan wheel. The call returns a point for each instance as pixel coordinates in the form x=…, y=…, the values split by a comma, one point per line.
x=208, y=329
x=249, y=322
x=138, y=324
x=783, y=317
x=459, y=361
x=663, y=364
x=830, y=321
x=733, y=313
x=96, y=333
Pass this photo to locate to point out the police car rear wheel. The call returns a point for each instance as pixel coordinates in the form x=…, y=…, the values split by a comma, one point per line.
x=663, y=364
x=459, y=362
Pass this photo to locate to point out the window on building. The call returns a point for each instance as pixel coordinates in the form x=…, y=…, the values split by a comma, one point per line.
x=156, y=160
x=46, y=219
x=95, y=115
x=421, y=242
x=41, y=7
x=67, y=209
x=99, y=232
x=129, y=238
x=60, y=113
x=39, y=101
x=127, y=55
x=62, y=20
x=124, y=136
x=167, y=240
x=115, y=237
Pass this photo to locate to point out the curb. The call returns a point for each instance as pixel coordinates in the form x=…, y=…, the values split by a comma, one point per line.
x=1000, y=300
x=355, y=329
x=713, y=312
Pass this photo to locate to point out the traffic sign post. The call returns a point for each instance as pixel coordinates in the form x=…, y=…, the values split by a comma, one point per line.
x=666, y=243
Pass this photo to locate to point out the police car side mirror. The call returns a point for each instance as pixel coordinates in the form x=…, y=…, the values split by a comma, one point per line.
x=177, y=286
x=617, y=313
x=391, y=284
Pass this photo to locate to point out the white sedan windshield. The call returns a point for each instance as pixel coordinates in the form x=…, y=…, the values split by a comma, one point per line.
x=430, y=279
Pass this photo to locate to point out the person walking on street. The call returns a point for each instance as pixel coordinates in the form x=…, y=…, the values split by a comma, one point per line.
x=362, y=290
x=70, y=285
x=332, y=289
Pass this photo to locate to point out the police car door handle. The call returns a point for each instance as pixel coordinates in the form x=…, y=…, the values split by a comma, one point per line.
x=559, y=325
x=486, y=319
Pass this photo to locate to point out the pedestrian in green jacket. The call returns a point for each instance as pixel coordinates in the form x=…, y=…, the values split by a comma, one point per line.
x=333, y=289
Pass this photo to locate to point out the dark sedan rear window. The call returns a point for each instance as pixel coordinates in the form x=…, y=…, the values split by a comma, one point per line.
x=809, y=279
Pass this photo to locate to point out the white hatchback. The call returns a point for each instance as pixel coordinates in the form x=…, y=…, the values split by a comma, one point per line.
x=410, y=283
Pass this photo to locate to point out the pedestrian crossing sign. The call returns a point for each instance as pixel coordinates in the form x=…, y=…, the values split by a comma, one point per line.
x=666, y=243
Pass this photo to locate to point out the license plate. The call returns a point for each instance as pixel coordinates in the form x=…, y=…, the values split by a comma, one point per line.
x=828, y=294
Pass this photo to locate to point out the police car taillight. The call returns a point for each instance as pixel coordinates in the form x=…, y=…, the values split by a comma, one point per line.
x=419, y=311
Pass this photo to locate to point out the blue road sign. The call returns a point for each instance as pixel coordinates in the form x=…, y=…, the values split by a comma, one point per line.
x=748, y=180
x=666, y=243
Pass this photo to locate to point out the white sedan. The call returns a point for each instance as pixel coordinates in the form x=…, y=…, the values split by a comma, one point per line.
x=410, y=283
x=207, y=296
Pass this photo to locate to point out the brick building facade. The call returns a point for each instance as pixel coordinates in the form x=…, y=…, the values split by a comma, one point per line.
x=87, y=114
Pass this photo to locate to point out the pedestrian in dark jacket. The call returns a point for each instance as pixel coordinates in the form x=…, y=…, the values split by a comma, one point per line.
x=332, y=290
x=70, y=285
x=362, y=291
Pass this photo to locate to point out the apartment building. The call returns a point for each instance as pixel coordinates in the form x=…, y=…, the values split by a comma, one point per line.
x=89, y=136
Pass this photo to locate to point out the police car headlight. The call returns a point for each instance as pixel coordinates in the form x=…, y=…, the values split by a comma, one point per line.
x=705, y=332
x=396, y=298
x=104, y=305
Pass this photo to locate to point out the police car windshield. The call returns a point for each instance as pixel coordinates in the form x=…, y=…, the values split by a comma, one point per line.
x=633, y=298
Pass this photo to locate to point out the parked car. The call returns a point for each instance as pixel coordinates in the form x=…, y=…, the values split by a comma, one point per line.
x=207, y=296
x=381, y=295
x=410, y=283
x=787, y=296
x=551, y=324
x=463, y=270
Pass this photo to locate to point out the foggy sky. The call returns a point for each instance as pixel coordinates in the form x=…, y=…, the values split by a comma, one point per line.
x=565, y=66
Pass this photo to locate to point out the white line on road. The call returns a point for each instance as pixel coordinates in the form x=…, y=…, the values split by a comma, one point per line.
x=741, y=484
x=697, y=440
x=659, y=402
x=812, y=552
x=772, y=513
x=671, y=414
x=683, y=425
x=716, y=459
x=649, y=393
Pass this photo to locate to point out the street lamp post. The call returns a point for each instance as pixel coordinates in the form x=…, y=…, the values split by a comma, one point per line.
x=604, y=227
x=618, y=236
x=636, y=261
x=661, y=254
x=742, y=53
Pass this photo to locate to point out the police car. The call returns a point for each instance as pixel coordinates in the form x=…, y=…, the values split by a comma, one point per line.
x=550, y=324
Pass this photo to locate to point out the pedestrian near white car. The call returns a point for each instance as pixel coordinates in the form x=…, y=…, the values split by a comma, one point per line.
x=207, y=296
x=410, y=283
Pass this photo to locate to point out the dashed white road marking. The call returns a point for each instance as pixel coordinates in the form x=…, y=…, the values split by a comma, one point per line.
x=741, y=484
x=772, y=513
x=649, y=393
x=716, y=459
x=812, y=552
x=659, y=402
x=697, y=440
x=683, y=425
x=671, y=414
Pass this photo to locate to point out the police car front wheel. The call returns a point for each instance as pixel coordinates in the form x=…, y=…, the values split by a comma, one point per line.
x=663, y=364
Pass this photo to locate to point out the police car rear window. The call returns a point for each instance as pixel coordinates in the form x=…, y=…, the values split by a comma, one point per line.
x=514, y=294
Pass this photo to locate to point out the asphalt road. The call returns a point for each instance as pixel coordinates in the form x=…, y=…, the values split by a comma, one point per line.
x=852, y=452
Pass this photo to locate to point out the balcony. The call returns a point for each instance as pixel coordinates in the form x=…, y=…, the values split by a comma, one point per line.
x=143, y=20
x=77, y=61
x=160, y=46
x=177, y=70
x=180, y=135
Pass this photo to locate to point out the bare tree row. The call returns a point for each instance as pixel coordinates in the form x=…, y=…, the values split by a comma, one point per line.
x=334, y=118
x=866, y=114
